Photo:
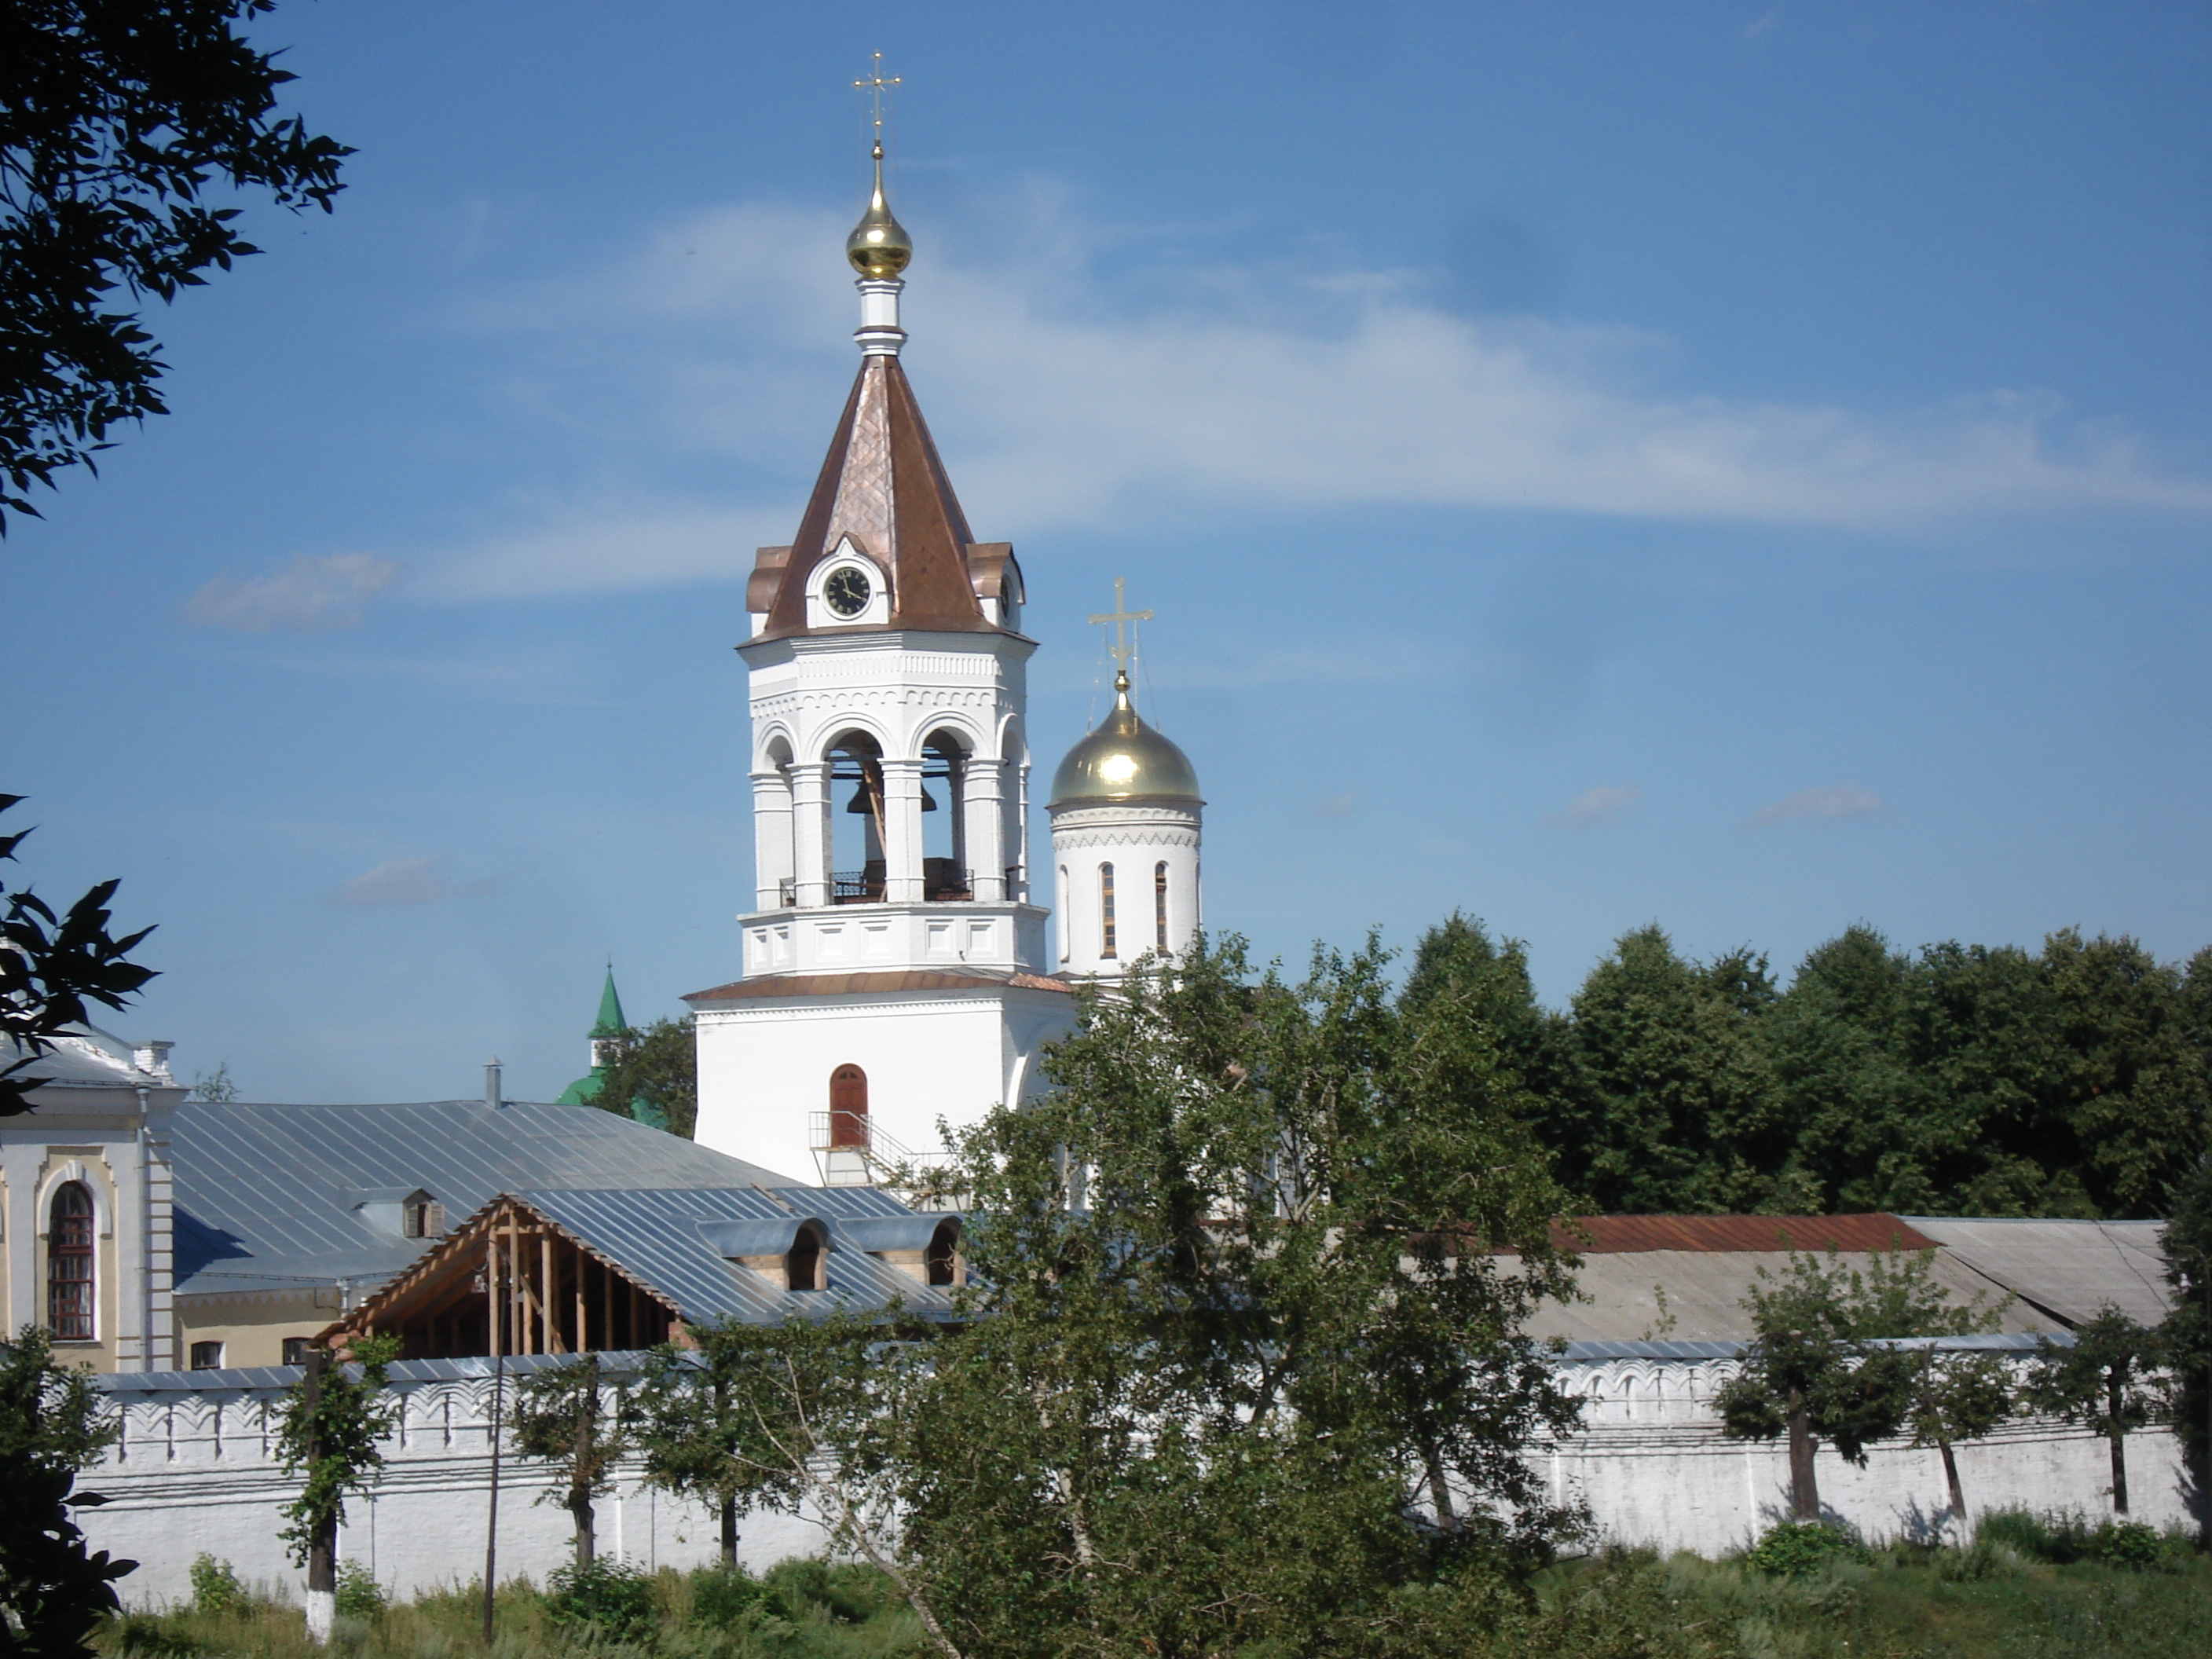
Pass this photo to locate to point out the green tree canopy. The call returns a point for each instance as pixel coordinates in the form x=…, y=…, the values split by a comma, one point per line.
x=127, y=128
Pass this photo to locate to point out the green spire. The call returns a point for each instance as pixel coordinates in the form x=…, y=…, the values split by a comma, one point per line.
x=611, y=1020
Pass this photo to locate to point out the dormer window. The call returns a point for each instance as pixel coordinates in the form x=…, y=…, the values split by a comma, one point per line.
x=803, y=1266
x=422, y=1217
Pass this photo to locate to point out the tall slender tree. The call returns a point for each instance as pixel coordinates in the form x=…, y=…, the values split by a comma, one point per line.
x=2107, y=1379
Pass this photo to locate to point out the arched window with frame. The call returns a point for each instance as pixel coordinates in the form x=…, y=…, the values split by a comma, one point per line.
x=1106, y=910
x=848, y=1107
x=802, y=1268
x=69, y=1264
x=1067, y=931
x=1160, y=904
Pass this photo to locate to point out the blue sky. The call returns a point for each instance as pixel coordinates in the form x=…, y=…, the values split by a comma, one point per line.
x=1747, y=466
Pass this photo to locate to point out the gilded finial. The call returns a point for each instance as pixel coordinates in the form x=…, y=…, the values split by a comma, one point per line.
x=878, y=246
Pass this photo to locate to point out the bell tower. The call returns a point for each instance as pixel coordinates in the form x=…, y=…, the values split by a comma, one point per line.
x=890, y=766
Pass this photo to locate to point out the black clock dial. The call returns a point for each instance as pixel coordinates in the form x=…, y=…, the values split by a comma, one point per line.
x=847, y=591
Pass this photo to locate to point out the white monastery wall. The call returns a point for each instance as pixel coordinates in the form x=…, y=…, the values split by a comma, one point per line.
x=196, y=1471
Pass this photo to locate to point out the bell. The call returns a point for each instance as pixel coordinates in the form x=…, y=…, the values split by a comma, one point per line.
x=859, y=801
x=928, y=800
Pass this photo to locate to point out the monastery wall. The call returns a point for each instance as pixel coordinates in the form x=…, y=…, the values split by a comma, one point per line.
x=195, y=1472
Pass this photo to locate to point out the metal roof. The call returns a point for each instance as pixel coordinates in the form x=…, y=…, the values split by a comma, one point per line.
x=265, y=1194
x=2068, y=1269
x=1614, y=1234
x=670, y=1241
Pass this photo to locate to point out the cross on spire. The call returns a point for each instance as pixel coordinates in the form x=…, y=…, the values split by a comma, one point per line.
x=875, y=86
x=1120, y=616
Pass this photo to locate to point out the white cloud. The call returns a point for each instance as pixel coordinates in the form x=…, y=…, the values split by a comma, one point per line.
x=1325, y=390
x=406, y=881
x=1825, y=805
x=1595, y=806
x=310, y=595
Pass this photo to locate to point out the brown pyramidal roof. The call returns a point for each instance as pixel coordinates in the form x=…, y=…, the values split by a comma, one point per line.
x=884, y=485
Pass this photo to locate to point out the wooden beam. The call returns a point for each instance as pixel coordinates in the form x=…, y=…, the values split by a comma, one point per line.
x=492, y=1288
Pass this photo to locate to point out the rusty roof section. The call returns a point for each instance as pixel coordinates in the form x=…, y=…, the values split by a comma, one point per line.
x=911, y=979
x=1622, y=1235
x=884, y=485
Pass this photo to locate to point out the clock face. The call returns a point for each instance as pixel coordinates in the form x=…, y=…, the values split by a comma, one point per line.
x=846, y=592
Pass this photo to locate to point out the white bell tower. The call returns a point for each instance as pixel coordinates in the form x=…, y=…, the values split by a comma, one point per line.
x=893, y=961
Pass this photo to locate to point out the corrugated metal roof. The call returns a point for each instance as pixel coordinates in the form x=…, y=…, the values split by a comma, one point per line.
x=2071, y=1269
x=1618, y=1234
x=657, y=1238
x=265, y=1194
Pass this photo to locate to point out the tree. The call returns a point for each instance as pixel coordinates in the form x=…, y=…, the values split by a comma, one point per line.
x=328, y=1431
x=2105, y=1378
x=50, y=967
x=1685, y=1115
x=808, y=1414
x=117, y=118
x=1821, y=1366
x=1243, y=1357
x=656, y=1066
x=562, y=1420
x=52, y=1427
x=1958, y=1396
x=2186, y=1334
x=215, y=1086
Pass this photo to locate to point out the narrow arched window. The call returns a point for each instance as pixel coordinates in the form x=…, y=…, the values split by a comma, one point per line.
x=69, y=1264
x=1160, y=904
x=1106, y=910
x=1628, y=1399
x=848, y=1107
x=1065, y=933
x=941, y=1259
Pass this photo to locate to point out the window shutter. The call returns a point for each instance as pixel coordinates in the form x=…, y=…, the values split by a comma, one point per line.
x=434, y=1220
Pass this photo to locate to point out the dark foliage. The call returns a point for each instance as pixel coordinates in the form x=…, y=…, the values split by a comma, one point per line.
x=50, y=967
x=1962, y=1080
x=53, y=1592
x=654, y=1067
x=125, y=127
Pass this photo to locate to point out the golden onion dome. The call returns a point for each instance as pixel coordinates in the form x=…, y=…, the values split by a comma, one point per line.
x=1123, y=760
x=878, y=246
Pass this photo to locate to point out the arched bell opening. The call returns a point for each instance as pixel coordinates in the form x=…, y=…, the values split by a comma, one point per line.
x=859, y=819
x=947, y=872
x=775, y=826
x=805, y=1268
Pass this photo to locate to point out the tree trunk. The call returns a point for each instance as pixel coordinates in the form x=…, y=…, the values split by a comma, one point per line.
x=2119, y=1437
x=1804, y=1487
x=729, y=1534
x=1958, y=1491
x=1440, y=1497
x=579, y=1487
x=323, y=1546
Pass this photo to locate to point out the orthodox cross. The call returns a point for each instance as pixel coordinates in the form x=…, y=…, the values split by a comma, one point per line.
x=1121, y=615
x=875, y=86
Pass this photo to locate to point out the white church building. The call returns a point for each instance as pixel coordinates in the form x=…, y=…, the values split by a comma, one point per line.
x=896, y=974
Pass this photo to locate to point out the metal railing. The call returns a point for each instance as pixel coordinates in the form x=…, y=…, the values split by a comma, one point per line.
x=853, y=1150
x=856, y=887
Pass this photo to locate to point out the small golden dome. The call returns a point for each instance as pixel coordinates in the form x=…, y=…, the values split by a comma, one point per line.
x=1123, y=760
x=878, y=247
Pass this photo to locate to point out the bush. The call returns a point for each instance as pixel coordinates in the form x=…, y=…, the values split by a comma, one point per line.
x=606, y=1597
x=722, y=1598
x=358, y=1595
x=1789, y=1549
x=215, y=1588
x=849, y=1594
x=2021, y=1531
x=2063, y=1539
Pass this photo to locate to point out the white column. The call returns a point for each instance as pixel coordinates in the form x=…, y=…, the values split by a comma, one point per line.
x=902, y=831
x=810, y=830
x=772, y=842
x=986, y=828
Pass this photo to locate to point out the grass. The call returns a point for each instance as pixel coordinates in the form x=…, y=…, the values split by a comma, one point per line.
x=2032, y=1588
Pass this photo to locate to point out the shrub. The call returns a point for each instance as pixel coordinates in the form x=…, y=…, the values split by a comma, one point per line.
x=721, y=1597
x=606, y=1597
x=1791, y=1548
x=215, y=1588
x=2021, y=1531
x=2123, y=1544
x=358, y=1595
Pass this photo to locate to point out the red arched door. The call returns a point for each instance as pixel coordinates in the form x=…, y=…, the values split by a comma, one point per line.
x=848, y=1107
